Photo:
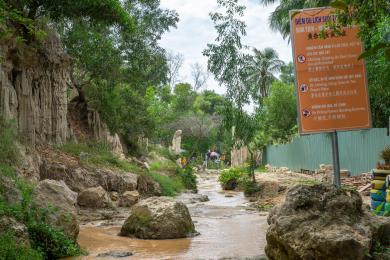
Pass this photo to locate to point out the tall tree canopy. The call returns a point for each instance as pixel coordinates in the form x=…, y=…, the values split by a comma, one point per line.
x=262, y=67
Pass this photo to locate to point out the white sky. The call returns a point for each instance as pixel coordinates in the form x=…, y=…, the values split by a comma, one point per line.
x=195, y=30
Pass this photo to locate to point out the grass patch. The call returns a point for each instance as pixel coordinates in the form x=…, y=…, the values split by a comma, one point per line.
x=165, y=166
x=170, y=186
x=100, y=155
x=261, y=169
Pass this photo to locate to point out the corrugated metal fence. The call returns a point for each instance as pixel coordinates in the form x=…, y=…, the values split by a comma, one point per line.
x=359, y=151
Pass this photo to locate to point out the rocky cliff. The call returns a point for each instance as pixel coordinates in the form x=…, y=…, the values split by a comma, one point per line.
x=33, y=89
x=34, y=80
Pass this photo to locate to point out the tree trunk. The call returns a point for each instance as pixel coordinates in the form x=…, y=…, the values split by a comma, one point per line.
x=252, y=165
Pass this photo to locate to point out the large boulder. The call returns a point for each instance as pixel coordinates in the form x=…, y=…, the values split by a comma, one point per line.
x=128, y=199
x=158, y=218
x=80, y=178
x=55, y=194
x=322, y=222
x=94, y=198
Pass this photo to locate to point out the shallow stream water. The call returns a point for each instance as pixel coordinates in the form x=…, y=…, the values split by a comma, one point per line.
x=228, y=229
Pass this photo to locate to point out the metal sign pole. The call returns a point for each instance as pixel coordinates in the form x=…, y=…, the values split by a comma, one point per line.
x=336, y=160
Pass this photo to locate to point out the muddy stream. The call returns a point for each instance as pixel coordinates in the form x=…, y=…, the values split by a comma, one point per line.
x=228, y=228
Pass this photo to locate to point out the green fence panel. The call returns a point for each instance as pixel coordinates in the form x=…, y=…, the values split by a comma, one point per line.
x=359, y=151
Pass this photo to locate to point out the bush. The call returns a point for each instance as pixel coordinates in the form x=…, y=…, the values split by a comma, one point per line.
x=230, y=178
x=248, y=186
x=11, y=250
x=188, y=177
x=54, y=243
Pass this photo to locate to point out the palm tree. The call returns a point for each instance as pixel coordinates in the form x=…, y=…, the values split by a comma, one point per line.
x=279, y=19
x=261, y=69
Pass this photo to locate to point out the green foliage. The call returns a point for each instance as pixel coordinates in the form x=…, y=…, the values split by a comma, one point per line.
x=287, y=74
x=164, y=166
x=46, y=241
x=381, y=252
x=230, y=175
x=281, y=112
x=51, y=241
x=170, y=186
x=98, y=154
x=262, y=67
x=12, y=250
x=247, y=185
x=188, y=177
x=226, y=60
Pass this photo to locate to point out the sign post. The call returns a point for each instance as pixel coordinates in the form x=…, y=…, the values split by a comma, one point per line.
x=336, y=160
x=330, y=79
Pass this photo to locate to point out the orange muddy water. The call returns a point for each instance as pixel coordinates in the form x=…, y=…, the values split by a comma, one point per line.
x=228, y=229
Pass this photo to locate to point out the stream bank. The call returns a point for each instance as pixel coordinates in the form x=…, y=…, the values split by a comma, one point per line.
x=229, y=229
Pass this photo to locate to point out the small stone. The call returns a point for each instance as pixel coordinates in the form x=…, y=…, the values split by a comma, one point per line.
x=114, y=196
x=229, y=196
x=116, y=254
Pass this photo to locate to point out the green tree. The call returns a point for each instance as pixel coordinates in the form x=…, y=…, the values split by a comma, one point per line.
x=226, y=59
x=287, y=74
x=281, y=112
x=262, y=68
x=184, y=97
x=209, y=102
x=280, y=19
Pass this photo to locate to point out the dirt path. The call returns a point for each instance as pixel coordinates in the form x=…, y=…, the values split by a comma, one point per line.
x=228, y=229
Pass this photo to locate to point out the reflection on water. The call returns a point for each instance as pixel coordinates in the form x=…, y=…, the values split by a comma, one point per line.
x=227, y=228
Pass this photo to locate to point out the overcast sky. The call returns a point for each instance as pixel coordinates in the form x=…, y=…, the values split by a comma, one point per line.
x=195, y=30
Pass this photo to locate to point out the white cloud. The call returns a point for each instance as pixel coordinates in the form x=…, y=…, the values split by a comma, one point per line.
x=195, y=30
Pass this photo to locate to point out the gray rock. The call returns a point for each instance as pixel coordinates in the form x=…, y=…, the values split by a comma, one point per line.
x=80, y=178
x=158, y=218
x=115, y=254
x=95, y=198
x=55, y=194
x=128, y=199
x=321, y=222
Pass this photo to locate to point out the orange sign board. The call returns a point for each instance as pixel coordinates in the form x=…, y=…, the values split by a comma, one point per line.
x=331, y=81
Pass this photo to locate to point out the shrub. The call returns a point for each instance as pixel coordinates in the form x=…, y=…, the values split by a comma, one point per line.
x=10, y=249
x=229, y=178
x=248, y=186
x=54, y=243
x=188, y=177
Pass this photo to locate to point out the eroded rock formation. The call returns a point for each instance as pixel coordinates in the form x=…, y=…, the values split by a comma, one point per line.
x=33, y=89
